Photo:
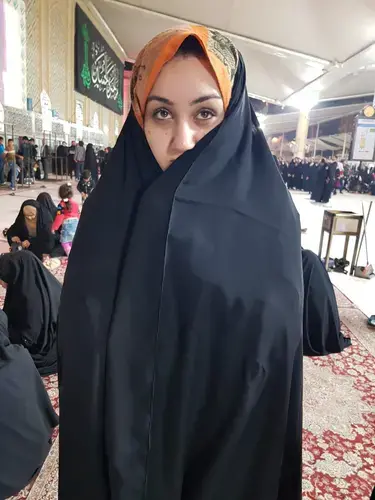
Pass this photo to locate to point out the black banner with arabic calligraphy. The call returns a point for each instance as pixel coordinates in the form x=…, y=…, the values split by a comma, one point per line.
x=98, y=72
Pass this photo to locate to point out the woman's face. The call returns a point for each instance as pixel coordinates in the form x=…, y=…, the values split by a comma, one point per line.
x=183, y=106
x=29, y=212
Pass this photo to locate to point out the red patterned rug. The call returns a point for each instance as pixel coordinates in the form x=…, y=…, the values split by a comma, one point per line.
x=339, y=420
x=339, y=415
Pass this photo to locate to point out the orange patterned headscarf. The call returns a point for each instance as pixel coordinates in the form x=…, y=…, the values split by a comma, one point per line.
x=219, y=50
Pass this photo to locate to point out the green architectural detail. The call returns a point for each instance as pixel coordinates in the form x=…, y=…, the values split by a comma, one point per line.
x=119, y=101
x=85, y=73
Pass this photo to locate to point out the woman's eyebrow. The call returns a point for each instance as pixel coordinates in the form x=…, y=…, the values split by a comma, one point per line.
x=199, y=100
x=205, y=98
x=164, y=100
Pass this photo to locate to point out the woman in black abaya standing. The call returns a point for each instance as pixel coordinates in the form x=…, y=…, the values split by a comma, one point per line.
x=322, y=189
x=31, y=303
x=180, y=351
x=91, y=163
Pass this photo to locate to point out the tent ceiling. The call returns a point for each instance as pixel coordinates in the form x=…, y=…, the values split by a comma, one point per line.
x=287, y=122
x=321, y=48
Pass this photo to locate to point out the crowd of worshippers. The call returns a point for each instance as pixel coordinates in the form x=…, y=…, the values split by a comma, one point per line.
x=74, y=159
x=25, y=164
x=322, y=177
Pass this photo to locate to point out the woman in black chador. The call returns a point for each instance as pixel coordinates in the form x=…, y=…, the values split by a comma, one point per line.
x=180, y=328
x=27, y=418
x=321, y=322
x=31, y=303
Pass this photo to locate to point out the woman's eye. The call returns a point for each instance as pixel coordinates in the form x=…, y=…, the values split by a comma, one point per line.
x=205, y=114
x=161, y=114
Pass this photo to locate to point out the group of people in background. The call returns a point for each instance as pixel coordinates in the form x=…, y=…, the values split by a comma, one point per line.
x=24, y=164
x=322, y=177
x=18, y=165
x=80, y=157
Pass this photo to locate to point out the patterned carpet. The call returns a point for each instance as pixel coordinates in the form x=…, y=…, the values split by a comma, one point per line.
x=339, y=420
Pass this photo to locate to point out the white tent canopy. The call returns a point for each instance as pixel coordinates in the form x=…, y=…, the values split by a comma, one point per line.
x=307, y=50
x=287, y=122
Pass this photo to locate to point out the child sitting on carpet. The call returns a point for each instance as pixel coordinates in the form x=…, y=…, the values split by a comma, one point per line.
x=67, y=217
x=85, y=185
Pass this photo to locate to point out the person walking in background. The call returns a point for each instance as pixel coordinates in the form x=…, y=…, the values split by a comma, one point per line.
x=71, y=154
x=321, y=192
x=91, y=163
x=79, y=158
x=46, y=155
x=10, y=158
x=105, y=162
x=62, y=159
x=2, y=155
x=67, y=217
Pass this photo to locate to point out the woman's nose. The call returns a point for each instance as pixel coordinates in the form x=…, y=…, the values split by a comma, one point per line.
x=184, y=137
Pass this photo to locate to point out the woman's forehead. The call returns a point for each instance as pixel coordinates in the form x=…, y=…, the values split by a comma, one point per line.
x=185, y=79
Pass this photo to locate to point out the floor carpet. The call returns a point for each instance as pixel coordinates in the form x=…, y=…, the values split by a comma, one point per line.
x=339, y=420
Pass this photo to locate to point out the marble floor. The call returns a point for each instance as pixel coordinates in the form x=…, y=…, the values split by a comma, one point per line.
x=339, y=401
x=360, y=291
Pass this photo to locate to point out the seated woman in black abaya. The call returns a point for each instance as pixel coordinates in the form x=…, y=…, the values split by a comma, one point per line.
x=31, y=303
x=32, y=229
x=45, y=200
x=321, y=321
x=27, y=418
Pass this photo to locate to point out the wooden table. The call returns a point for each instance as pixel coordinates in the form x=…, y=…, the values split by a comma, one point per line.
x=337, y=222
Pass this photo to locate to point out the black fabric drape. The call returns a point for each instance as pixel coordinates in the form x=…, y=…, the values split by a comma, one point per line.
x=323, y=185
x=31, y=304
x=26, y=416
x=45, y=201
x=44, y=240
x=180, y=330
x=321, y=321
x=91, y=163
x=298, y=176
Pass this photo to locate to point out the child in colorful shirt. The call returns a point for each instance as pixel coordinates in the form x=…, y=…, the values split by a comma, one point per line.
x=67, y=217
x=85, y=185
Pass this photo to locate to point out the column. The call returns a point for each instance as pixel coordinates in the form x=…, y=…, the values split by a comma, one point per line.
x=302, y=131
x=44, y=45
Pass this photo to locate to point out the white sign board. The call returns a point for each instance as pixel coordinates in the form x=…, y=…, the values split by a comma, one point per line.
x=79, y=119
x=45, y=104
x=364, y=140
x=95, y=121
